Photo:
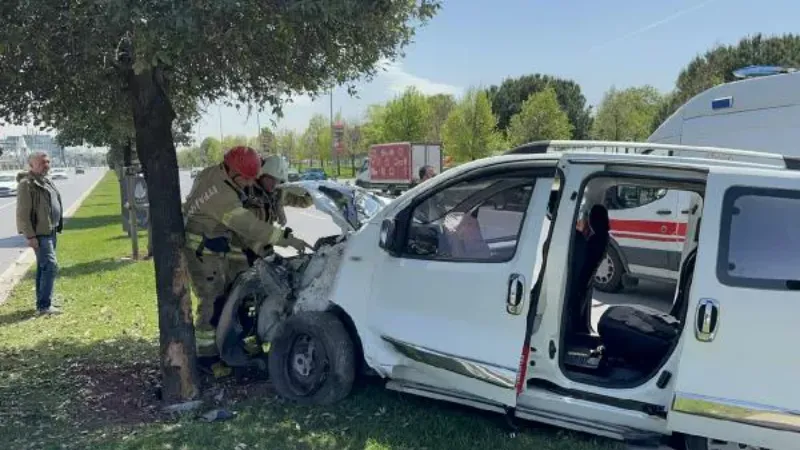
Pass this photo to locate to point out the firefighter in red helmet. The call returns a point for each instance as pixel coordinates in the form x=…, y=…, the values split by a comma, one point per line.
x=214, y=214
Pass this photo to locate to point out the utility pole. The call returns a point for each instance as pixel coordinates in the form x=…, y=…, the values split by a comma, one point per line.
x=219, y=110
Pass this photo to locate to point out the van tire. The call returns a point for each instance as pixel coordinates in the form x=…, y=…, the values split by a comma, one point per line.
x=312, y=359
x=610, y=282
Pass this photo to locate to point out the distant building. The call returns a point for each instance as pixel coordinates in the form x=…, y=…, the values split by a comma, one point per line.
x=18, y=148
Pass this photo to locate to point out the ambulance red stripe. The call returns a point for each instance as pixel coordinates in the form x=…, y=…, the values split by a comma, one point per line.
x=643, y=237
x=649, y=226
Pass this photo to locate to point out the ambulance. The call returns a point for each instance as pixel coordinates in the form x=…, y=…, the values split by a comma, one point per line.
x=759, y=112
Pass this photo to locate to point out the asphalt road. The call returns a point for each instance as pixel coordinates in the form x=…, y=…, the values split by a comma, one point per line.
x=12, y=244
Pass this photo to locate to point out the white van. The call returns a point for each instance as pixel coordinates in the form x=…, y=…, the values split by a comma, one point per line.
x=501, y=321
x=649, y=223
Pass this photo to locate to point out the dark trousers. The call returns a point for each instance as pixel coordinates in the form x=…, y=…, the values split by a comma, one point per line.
x=46, y=270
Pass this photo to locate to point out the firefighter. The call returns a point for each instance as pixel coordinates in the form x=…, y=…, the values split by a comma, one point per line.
x=214, y=214
x=268, y=196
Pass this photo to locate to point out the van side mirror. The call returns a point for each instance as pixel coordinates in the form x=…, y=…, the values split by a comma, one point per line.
x=387, y=236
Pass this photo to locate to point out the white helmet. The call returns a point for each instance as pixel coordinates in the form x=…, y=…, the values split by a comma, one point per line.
x=276, y=167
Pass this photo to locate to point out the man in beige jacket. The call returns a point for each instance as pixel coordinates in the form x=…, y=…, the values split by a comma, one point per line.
x=40, y=219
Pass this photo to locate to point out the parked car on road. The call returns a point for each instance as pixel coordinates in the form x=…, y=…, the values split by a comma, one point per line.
x=313, y=174
x=469, y=288
x=293, y=175
x=80, y=170
x=58, y=174
x=8, y=185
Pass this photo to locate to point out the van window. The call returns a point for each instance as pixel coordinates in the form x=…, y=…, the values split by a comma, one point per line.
x=627, y=196
x=473, y=221
x=760, y=240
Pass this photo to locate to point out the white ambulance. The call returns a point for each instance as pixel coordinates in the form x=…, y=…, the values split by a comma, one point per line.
x=759, y=112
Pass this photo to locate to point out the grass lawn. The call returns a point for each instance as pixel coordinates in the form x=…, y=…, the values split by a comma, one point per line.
x=89, y=378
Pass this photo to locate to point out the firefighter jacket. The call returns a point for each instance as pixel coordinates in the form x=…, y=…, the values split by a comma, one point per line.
x=214, y=214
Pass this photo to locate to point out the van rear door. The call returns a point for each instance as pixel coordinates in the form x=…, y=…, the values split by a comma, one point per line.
x=739, y=363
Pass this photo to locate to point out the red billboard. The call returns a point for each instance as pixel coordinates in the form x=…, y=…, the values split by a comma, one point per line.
x=390, y=162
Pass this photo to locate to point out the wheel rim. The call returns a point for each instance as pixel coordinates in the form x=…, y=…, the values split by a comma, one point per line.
x=307, y=365
x=714, y=444
x=605, y=272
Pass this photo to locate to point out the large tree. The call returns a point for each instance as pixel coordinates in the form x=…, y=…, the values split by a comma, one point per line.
x=507, y=100
x=627, y=115
x=717, y=65
x=317, y=139
x=68, y=60
x=541, y=118
x=407, y=117
x=470, y=130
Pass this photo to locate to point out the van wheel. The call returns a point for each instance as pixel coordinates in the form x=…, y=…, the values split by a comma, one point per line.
x=608, y=277
x=312, y=359
x=701, y=443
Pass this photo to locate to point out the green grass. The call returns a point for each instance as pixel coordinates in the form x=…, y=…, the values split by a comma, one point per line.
x=89, y=378
x=330, y=168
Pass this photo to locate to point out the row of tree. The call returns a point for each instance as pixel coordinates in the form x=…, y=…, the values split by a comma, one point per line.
x=518, y=110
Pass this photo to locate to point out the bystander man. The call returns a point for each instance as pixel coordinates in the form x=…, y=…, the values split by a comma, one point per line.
x=40, y=219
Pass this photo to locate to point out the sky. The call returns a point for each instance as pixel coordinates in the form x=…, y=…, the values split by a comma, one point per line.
x=598, y=44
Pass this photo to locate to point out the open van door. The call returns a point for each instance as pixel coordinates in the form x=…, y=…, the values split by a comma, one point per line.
x=738, y=374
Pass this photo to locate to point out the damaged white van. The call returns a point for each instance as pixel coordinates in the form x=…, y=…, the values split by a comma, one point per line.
x=472, y=288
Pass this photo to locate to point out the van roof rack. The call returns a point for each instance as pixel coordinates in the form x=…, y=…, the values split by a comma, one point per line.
x=650, y=148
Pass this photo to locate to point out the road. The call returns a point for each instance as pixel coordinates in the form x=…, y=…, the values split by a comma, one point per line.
x=12, y=244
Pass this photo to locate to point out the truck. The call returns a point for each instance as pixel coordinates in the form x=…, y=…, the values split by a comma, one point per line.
x=394, y=167
x=758, y=112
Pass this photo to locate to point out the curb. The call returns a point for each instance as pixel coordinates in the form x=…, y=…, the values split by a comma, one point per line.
x=11, y=276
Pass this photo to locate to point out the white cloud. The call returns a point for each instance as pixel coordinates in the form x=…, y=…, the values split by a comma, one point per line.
x=399, y=79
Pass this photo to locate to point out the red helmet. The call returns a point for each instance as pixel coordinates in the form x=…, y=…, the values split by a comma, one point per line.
x=244, y=161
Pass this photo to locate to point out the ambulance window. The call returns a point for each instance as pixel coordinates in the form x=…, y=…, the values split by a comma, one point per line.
x=627, y=196
x=759, y=243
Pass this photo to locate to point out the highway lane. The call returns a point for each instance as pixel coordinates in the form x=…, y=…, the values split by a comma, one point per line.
x=12, y=244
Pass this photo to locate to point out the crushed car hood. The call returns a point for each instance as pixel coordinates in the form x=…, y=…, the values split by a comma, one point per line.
x=350, y=207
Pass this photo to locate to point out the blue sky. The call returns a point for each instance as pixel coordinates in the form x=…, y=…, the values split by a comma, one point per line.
x=598, y=43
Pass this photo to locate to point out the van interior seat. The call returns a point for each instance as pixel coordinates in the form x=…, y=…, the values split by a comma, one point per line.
x=643, y=336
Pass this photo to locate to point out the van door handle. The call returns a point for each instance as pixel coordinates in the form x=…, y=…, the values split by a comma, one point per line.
x=663, y=212
x=515, y=299
x=707, y=320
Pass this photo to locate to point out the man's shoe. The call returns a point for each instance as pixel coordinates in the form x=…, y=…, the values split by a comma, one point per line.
x=51, y=311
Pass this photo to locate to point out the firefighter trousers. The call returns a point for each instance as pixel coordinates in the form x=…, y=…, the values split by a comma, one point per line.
x=211, y=275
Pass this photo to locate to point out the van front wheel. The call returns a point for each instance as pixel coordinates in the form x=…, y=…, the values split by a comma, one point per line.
x=312, y=359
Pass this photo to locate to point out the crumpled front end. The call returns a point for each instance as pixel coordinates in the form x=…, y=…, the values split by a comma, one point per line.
x=265, y=295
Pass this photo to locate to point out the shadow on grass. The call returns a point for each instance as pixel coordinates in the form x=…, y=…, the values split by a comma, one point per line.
x=60, y=394
x=83, y=223
x=18, y=316
x=92, y=267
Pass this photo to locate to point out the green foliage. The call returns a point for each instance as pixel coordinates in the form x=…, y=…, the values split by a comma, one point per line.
x=407, y=117
x=469, y=132
x=440, y=106
x=541, y=118
x=717, y=65
x=317, y=138
x=627, y=115
x=507, y=100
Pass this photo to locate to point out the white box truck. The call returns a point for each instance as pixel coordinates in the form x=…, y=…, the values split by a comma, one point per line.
x=394, y=167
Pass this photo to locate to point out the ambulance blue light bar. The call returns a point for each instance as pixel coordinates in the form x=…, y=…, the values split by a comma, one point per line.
x=760, y=71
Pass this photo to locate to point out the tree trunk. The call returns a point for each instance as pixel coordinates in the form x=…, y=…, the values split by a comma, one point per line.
x=153, y=116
